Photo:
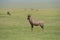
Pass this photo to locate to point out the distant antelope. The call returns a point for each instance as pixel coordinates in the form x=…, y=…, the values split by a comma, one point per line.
x=35, y=22
x=8, y=13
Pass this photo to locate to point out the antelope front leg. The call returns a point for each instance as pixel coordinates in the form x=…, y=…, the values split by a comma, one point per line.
x=31, y=27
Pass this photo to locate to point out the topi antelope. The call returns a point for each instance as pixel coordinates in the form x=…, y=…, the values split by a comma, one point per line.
x=35, y=22
x=8, y=13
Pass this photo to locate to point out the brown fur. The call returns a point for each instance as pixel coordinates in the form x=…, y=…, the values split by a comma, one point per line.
x=35, y=22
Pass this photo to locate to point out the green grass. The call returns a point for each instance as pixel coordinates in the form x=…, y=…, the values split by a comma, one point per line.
x=16, y=26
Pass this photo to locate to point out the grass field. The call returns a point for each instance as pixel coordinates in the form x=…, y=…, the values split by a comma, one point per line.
x=16, y=26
